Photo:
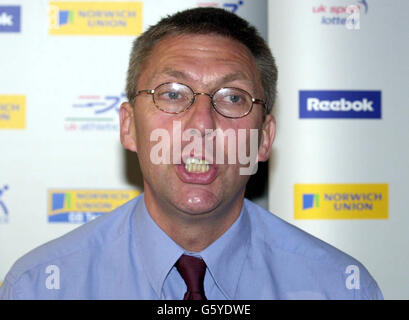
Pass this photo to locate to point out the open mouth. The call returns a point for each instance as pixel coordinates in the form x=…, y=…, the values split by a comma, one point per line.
x=196, y=171
x=193, y=165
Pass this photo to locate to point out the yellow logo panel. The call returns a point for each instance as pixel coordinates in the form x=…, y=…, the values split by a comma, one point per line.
x=84, y=205
x=95, y=18
x=12, y=112
x=340, y=201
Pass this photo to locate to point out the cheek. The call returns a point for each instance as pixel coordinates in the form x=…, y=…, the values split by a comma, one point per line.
x=154, y=139
x=145, y=124
x=246, y=135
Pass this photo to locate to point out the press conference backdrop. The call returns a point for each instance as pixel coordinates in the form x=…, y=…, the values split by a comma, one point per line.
x=340, y=115
x=63, y=69
x=339, y=168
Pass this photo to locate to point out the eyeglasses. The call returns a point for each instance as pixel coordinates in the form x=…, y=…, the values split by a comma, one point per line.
x=173, y=97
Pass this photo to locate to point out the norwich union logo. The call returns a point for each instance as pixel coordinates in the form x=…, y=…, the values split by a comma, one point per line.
x=59, y=18
x=78, y=206
x=12, y=112
x=341, y=201
x=310, y=200
x=95, y=18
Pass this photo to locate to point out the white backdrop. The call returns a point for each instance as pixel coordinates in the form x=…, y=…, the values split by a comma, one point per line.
x=68, y=144
x=66, y=155
x=313, y=52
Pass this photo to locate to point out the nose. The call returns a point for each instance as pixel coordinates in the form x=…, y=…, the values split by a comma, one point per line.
x=201, y=115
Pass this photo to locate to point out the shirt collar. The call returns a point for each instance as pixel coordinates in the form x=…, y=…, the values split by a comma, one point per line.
x=158, y=251
x=224, y=257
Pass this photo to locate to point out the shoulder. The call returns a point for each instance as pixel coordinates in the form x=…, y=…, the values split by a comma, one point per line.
x=84, y=243
x=307, y=256
x=281, y=235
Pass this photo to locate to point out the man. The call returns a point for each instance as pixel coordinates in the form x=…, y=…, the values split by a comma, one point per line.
x=196, y=80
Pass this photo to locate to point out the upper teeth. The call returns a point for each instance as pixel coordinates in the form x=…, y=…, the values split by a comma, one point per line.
x=195, y=161
x=196, y=165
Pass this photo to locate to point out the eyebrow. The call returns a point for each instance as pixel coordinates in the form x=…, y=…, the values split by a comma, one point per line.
x=238, y=75
x=176, y=74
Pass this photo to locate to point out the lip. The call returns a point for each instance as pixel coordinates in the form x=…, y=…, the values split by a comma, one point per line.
x=196, y=177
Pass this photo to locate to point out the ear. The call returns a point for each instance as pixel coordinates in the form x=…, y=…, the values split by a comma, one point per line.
x=267, y=138
x=127, y=125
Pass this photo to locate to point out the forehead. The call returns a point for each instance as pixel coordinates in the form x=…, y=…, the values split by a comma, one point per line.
x=199, y=58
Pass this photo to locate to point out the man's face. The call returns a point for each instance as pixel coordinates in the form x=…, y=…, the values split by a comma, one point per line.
x=205, y=63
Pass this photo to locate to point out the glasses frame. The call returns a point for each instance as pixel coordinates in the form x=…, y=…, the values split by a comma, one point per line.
x=253, y=100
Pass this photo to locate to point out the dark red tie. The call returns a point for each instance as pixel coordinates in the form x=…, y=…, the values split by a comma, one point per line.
x=193, y=271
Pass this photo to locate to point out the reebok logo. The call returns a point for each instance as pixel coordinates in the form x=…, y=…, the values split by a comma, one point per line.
x=6, y=20
x=314, y=104
x=10, y=18
x=340, y=104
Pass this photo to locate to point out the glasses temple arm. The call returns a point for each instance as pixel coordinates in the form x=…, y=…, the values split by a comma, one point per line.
x=144, y=91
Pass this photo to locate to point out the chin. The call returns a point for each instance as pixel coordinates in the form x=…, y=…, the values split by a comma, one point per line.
x=197, y=202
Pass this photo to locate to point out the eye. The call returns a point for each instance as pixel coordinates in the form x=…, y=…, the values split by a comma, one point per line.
x=171, y=95
x=234, y=98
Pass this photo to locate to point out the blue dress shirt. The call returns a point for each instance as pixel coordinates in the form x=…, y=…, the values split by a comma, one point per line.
x=125, y=255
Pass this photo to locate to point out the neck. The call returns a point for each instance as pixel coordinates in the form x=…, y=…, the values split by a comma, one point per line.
x=193, y=232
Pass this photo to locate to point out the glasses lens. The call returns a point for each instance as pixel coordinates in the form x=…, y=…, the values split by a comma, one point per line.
x=232, y=102
x=173, y=97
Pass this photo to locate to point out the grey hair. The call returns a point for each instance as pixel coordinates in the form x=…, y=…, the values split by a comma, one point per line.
x=205, y=21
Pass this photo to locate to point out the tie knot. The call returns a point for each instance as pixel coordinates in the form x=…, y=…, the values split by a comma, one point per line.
x=193, y=271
